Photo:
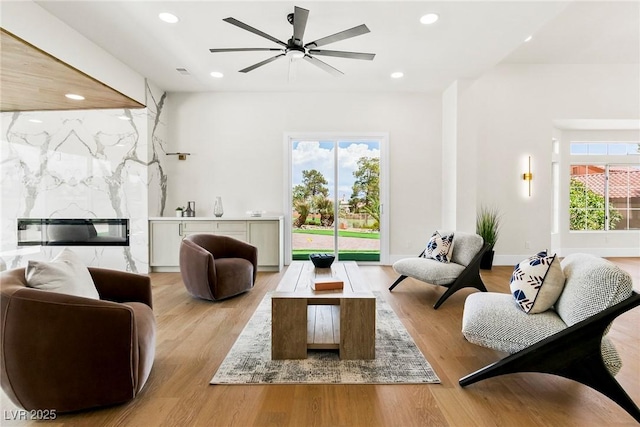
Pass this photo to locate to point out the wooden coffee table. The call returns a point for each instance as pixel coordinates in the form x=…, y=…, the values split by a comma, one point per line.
x=303, y=319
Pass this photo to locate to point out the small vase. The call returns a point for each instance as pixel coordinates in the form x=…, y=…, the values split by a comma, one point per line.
x=191, y=209
x=218, y=210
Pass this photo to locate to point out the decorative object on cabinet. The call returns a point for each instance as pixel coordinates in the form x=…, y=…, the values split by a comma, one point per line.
x=179, y=211
x=191, y=209
x=218, y=210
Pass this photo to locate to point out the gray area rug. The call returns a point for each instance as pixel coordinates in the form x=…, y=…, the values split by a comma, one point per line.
x=398, y=359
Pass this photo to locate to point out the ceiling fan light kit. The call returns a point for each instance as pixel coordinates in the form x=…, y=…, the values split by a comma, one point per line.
x=295, y=48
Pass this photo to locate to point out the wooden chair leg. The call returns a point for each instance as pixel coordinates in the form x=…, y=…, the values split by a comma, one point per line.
x=398, y=280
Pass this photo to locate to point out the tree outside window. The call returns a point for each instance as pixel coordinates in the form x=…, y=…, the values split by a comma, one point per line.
x=587, y=199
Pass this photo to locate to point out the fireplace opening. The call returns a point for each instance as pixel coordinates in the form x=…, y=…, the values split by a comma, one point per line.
x=73, y=232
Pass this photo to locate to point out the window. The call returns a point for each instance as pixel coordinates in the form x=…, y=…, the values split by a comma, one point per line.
x=604, y=148
x=604, y=186
x=624, y=196
x=336, y=196
x=604, y=197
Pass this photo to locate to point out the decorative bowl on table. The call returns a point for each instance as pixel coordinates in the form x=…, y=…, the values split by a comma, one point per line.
x=322, y=260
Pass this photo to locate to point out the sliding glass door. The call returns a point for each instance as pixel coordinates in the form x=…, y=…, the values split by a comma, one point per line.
x=336, y=197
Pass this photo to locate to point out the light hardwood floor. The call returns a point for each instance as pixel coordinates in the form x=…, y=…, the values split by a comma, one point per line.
x=194, y=337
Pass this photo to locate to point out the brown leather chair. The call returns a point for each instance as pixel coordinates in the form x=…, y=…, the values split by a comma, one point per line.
x=217, y=267
x=67, y=353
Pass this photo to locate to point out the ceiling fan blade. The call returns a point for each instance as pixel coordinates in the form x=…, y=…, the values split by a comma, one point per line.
x=244, y=26
x=342, y=35
x=300, y=16
x=326, y=67
x=245, y=49
x=341, y=54
x=260, y=64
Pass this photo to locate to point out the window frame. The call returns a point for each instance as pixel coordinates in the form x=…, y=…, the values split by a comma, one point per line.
x=602, y=160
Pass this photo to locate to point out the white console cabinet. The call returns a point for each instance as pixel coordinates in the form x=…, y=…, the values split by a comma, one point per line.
x=265, y=233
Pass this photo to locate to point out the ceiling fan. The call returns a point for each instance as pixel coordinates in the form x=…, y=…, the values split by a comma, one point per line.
x=295, y=48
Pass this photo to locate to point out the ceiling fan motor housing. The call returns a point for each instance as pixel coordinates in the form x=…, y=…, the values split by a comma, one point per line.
x=294, y=50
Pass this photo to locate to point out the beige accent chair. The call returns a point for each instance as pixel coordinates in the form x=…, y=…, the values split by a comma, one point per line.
x=568, y=340
x=462, y=272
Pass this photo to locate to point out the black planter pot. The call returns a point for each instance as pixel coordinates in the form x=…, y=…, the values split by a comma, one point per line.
x=486, y=262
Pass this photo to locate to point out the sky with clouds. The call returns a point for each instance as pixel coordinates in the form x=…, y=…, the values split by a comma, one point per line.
x=320, y=155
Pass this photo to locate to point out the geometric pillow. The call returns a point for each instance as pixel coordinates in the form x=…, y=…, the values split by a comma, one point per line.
x=439, y=247
x=65, y=274
x=537, y=282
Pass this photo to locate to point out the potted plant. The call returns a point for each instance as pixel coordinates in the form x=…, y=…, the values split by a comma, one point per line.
x=179, y=211
x=487, y=226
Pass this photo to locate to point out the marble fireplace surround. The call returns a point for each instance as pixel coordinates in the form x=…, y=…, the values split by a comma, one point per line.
x=84, y=164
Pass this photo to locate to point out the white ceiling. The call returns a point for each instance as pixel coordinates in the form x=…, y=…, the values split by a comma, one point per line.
x=470, y=38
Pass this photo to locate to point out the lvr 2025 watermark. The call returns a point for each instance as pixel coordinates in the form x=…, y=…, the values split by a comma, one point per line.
x=24, y=415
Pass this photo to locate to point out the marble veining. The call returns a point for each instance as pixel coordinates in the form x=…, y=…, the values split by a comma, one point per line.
x=157, y=174
x=84, y=164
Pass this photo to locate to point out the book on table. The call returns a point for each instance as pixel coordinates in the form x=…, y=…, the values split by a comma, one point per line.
x=326, y=284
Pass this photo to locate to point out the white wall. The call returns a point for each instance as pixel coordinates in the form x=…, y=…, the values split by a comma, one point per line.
x=236, y=141
x=449, y=156
x=459, y=146
x=519, y=105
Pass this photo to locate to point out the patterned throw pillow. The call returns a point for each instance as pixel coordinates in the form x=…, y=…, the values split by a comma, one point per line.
x=537, y=282
x=440, y=247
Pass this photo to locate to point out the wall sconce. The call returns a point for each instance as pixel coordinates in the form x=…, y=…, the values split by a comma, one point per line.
x=528, y=176
x=181, y=156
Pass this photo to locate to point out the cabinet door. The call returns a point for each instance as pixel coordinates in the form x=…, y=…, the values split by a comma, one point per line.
x=165, y=243
x=235, y=229
x=265, y=235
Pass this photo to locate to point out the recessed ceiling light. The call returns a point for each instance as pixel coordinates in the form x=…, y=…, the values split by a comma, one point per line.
x=429, y=18
x=528, y=39
x=75, y=97
x=35, y=121
x=124, y=118
x=397, y=75
x=217, y=74
x=169, y=18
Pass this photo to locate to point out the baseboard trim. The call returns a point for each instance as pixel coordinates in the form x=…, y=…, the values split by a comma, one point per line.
x=563, y=252
x=512, y=260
